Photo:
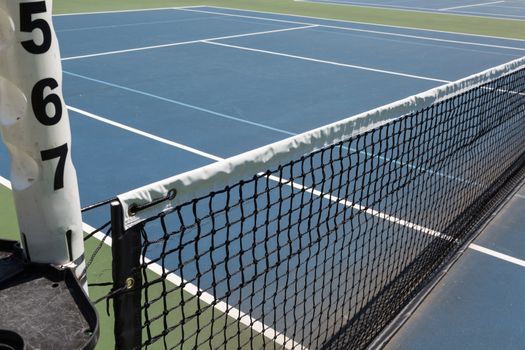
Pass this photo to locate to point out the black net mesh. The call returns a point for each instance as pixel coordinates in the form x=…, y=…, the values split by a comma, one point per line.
x=324, y=251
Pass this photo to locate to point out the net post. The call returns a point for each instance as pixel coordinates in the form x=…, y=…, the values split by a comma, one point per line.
x=34, y=125
x=127, y=281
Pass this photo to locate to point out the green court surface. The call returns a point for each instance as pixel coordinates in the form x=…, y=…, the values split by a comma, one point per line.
x=100, y=270
x=8, y=223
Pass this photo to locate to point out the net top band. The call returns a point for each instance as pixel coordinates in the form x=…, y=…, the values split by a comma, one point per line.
x=162, y=196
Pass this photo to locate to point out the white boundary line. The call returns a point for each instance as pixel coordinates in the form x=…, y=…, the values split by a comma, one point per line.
x=356, y=22
x=521, y=8
x=127, y=25
x=369, y=5
x=479, y=15
x=188, y=42
x=366, y=210
x=500, y=15
x=182, y=104
x=329, y=62
x=358, y=29
x=5, y=182
x=204, y=296
x=124, y=11
x=470, y=43
x=225, y=308
x=145, y=134
x=497, y=255
x=472, y=5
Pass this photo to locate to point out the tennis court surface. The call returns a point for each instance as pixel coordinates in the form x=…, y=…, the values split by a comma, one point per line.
x=322, y=238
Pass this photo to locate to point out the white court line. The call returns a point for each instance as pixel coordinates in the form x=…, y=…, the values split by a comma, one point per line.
x=393, y=7
x=182, y=104
x=481, y=15
x=520, y=8
x=355, y=22
x=236, y=314
x=187, y=42
x=124, y=11
x=373, y=31
x=425, y=10
x=369, y=5
x=329, y=62
x=498, y=255
x=520, y=196
x=135, y=24
x=491, y=15
x=5, y=182
x=472, y=5
x=209, y=299
x=364, y=209
x=145, y=134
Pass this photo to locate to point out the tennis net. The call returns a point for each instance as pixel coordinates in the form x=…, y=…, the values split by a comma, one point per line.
x=319, y=240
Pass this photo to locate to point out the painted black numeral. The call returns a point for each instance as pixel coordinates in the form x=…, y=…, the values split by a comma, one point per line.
x=40, y=102
x=59, y=152
x=28, y=25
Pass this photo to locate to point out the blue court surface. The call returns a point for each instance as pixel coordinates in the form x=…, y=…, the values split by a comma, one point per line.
x=224, y=82
x=155, y=93
x=505, y=9
x=479, y=303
